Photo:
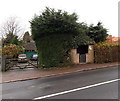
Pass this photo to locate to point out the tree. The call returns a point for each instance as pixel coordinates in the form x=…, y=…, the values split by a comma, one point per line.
x=54, y=33
x=10, y=31
x=98, y=33
x=26, y=37
x=11, y=39
x=54, y=22
x=81, y=40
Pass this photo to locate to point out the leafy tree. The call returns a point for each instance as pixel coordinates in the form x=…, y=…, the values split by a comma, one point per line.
x=98, y=33
x=26, y=37
x=55, y=33
x=54, y=22
x=81, y=40
x=11, y=39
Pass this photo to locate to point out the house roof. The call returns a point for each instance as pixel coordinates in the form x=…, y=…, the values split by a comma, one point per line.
x=113, y=39
x=30, y=46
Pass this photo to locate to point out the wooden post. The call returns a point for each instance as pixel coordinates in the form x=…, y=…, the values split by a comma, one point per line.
x=3, y=68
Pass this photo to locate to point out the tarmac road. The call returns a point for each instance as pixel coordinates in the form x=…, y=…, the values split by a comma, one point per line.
x=94, y=84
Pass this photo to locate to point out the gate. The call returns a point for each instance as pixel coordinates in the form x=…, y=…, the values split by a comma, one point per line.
x=11, y=64
x=82, y=58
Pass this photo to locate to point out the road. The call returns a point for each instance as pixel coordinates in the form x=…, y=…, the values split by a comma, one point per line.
x=95, y=84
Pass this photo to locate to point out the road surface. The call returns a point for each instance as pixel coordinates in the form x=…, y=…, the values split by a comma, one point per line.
x=94, y=84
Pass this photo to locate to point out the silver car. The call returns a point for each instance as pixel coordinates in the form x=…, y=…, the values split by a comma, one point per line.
x=22, y=58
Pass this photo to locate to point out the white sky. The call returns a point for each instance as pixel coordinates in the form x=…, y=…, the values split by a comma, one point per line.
x=89, y=11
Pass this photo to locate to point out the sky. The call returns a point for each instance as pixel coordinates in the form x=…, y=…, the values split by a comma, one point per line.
x=88, y=11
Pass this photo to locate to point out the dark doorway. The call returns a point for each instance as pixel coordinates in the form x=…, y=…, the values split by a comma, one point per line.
x=82, y=50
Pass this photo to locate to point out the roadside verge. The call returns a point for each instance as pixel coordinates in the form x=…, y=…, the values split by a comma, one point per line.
x=29, y=74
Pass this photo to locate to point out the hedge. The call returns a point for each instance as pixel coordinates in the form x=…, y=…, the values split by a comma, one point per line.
x=106, y=52
x=53, y=51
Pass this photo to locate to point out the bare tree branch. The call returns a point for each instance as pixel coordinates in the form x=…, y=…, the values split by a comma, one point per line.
x=11, y=26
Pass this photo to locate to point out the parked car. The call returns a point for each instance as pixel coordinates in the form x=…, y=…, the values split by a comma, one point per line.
x=34, y=57
x=22, y=58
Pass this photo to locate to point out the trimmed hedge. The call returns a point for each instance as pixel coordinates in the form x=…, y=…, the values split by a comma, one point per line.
x=106, y=52
x=53, y=51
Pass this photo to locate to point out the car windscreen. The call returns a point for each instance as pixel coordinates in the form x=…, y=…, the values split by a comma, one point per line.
x=22, y=55
x=35, y=55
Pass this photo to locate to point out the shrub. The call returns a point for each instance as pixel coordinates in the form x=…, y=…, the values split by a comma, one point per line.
x=106, y=52
x=11, y=50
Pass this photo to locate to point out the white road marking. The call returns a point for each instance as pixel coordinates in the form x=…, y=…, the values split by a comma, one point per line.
x=77, y=89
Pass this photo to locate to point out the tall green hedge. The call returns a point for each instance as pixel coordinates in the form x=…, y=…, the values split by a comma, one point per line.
x=53, y=51
x=106, y=52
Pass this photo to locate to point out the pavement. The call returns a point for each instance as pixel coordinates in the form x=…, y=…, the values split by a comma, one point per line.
x=94, y=84
x=34, y=73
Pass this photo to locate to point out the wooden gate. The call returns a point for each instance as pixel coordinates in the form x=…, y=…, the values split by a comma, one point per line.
x=10, y=64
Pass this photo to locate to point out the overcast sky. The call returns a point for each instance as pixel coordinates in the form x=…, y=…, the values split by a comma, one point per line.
x=89, y=11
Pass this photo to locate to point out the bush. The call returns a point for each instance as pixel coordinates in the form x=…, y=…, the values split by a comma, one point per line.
x=106, y=52
x=11, y=50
